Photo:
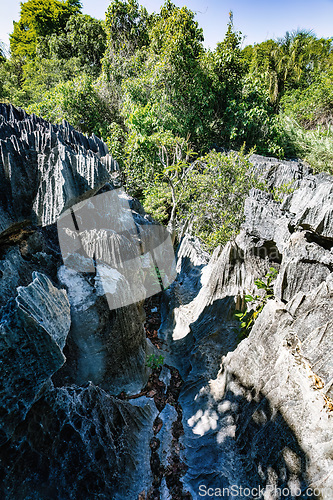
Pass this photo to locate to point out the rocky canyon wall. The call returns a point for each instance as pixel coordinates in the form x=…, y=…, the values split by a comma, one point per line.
x=258, y=413
x=64, y=353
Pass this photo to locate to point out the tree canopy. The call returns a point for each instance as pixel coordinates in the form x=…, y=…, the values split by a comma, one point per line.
x=39, y=19
x=168, y=108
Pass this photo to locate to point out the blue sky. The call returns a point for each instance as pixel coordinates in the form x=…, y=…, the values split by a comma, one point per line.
x=258, y=20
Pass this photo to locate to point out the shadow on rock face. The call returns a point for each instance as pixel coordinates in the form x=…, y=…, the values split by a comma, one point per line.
x=192, y=275
x=78, y=443
x=197, y=348
x=241, y=442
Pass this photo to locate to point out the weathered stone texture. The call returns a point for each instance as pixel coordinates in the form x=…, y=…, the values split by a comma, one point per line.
x=265, y=416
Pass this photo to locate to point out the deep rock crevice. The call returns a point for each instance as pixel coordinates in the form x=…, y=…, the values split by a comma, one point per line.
x=258, y=413
x=81, y=414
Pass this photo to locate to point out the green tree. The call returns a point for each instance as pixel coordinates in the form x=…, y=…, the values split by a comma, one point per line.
x=12, y=79
x=313, y=105
x=229, y=64
x=41, y=75
x=2, y=53
x=289, y=62
x=178, y=86
x=39, y=19
x=228, y=70
x=84, y=38
x=126, y=25
x=214, y=200
x=78, y=101
x=168, y=91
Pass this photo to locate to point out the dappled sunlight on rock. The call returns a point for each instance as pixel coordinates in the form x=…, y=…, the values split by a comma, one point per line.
x=203, y=421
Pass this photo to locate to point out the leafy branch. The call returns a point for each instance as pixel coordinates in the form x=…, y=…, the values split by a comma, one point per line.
x=247, y=318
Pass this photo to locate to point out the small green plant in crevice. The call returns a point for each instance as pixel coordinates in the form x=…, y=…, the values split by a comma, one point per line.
x=247, y=318
x=154, y=362
x=280, y=191
x=157, y=277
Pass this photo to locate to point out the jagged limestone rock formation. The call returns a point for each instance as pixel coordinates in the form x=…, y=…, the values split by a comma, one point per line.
x=61, y=434
x=101, y=234
x=33, y=328
x=259, y=411
x=20, y=257
x=79, y=442
x=108, y=347
x=45, y=168
x=255, y=413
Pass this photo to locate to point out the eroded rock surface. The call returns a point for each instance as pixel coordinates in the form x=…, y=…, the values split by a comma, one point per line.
x=79, y=442
x=107, y=347
x=34, y=328
x=265, y=416
x=255, y=413
x=64, y=354
x=45, y=168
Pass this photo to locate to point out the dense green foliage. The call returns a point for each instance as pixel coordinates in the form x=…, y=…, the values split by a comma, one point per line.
x=78, y=101
x=166, y=106
x=40, y=19
x=212, y=196
x=311, y=105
